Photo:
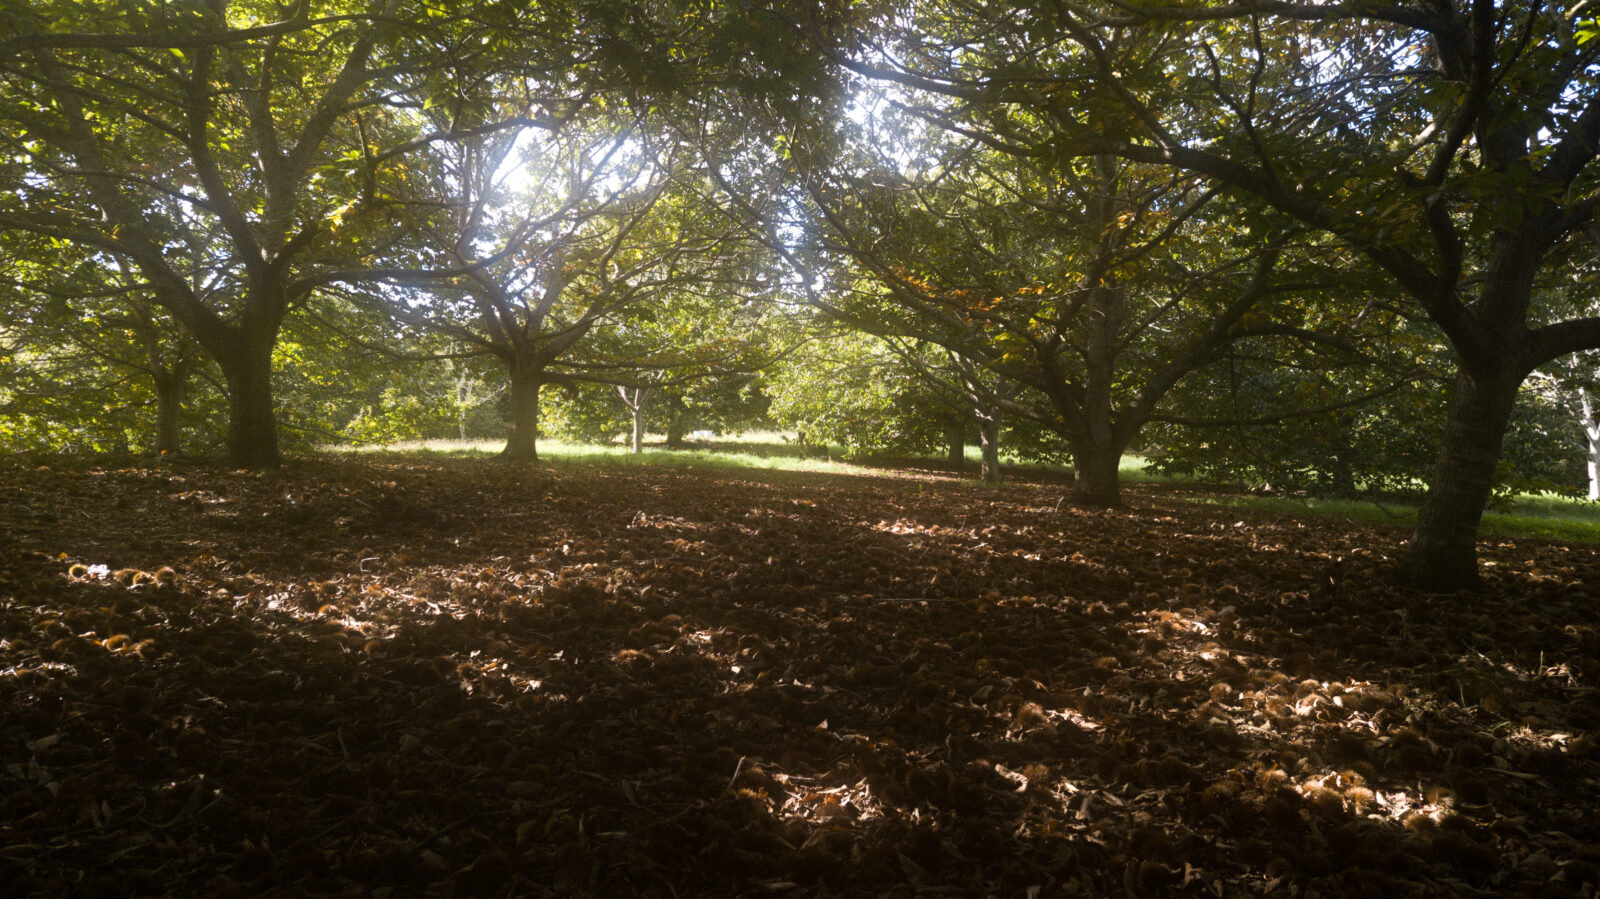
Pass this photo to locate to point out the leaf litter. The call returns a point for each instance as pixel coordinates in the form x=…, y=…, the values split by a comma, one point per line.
x=461, y=677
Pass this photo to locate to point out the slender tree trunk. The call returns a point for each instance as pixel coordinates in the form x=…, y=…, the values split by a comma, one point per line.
x=989, y=443
x=252, y=427
x=1591, y=433
x=463, y=401
x=523, y=443
x=634, y=398
x=955, y=435
x=1443, y=553
x=170, y=389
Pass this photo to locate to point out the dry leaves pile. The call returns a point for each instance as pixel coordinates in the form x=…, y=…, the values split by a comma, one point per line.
x=467, y=678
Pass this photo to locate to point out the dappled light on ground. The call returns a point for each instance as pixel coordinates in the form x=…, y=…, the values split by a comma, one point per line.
x=460, y=677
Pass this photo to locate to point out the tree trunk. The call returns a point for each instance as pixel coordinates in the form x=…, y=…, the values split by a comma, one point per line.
x=955, y=435
x=989, y=443
x=252, y=428
x=634, y=398
x=1098, y=454
x=170, y=389
x=523, y=443
x=1591, y=433
x=1341, y=477
x=462, y=400
x=677, y=415
x=1443, y=553
x=1097, y=475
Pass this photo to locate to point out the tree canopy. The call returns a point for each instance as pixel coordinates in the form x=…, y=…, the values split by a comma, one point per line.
x=1087, y=218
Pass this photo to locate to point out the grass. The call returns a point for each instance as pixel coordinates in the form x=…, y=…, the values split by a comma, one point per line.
x=757, y=450
x=1540, y=516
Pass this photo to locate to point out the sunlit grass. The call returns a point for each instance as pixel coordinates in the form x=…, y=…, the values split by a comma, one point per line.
x=758, y=450
x=1541, y=516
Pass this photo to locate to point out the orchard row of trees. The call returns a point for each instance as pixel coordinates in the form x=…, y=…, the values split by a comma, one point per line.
x=1335, y=243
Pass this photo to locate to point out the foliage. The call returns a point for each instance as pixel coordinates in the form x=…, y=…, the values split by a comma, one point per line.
x=852, y=391
x=94, y=364
x=1257, y=436
x=1451, y=144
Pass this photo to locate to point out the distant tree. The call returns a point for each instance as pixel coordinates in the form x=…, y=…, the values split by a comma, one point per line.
x=90, y=321
x=559, y=254
x=140, y=127
x=1452, y=143
x=268, y=145
x=1095, y=288
x=850, y=389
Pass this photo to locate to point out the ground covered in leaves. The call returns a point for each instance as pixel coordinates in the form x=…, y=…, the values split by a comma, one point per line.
x=462, y=677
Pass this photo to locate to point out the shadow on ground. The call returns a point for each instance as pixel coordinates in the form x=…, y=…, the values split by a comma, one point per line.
x=463, y=677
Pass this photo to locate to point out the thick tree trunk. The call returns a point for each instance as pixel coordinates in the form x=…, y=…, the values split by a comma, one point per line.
x=523, y=443
x=638, y=429
x=677, y=420
x=989, y=444
x=955, y=435
x=1443, y=553
x=252, y=427
x=1097, y=475
x=170, y=389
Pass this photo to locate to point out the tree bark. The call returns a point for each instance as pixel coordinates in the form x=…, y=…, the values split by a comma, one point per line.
x=955, y=435
x=1443, y=552
x=1097, y=475
x=634, y=398
x=676, y=418
x=523, y=443
x=170, y=390
x=1097, y=454
x=1591, y=433
x=252, y=427
x=989, y=443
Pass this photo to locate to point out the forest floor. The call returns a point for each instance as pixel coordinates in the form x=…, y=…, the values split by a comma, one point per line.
x=392, y=676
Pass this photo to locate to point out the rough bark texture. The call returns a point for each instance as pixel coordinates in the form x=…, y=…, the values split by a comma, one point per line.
x=1097, y=475
x=522, y=445
x=955, y=435
x=252, y=428
x=170, y=390
x=989, y=442
x=1443, y=553
x=1591, y=433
